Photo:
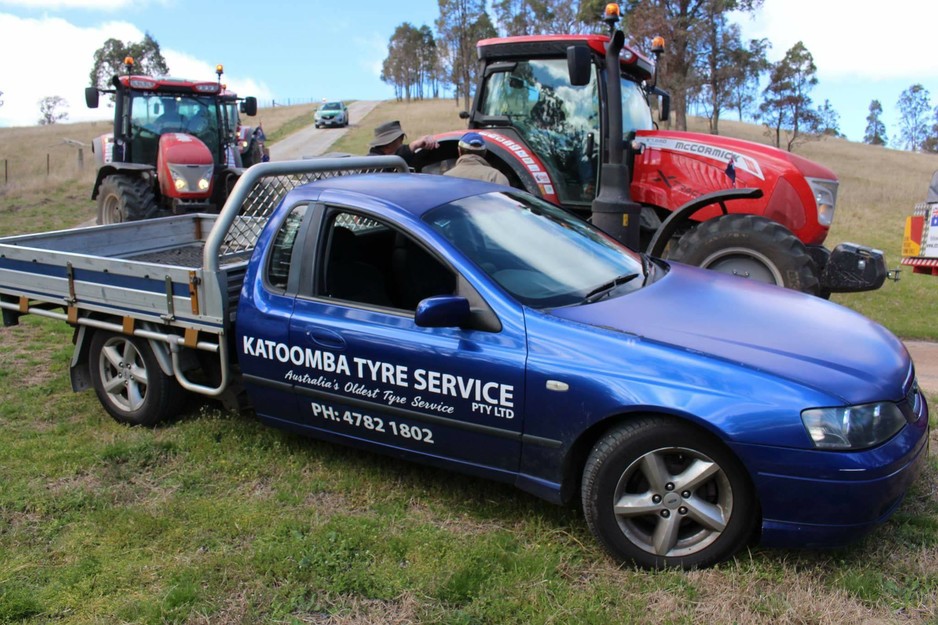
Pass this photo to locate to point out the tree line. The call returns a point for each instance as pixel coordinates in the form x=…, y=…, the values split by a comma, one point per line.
x=708, y=67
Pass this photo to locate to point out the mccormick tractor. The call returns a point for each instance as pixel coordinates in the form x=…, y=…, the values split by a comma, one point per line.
x=567, y=117
x=171, y=148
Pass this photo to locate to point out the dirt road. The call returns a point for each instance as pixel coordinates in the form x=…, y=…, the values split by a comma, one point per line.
x=925, y=355
x=311, y=141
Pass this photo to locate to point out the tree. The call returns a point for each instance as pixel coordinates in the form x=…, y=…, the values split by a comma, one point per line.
x=411, y=62
x=460, y=25
x=875, y=128
x=787, y=106
x=49, y=110
x=109, y=60
x=829, y=120
x=683, y=24
x=537, y=17
x=750, y=63
x=724, y=69
x=931, y=142
x=914, y=108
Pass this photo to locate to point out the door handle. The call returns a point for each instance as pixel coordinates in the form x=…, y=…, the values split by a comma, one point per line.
x=325, y=338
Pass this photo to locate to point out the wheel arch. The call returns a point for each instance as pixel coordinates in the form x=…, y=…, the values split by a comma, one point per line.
x=576, y=457
x=520, y=174
x=684, y=214
x=131, y=170
x=79, y=372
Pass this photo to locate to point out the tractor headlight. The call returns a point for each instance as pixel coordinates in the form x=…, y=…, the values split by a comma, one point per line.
x=853, y=427
x=191, y=178
x=825, y=197
x=179, y=181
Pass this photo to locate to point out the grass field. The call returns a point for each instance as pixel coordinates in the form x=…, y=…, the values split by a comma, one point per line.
x=214, y=519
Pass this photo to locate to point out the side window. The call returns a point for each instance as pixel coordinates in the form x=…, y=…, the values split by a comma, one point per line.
x=281, y=251
x=371, y=263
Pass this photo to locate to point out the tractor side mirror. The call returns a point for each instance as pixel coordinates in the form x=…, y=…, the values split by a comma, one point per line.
x=250, y=106
x=664, y=104
x=463, y=114
x=579, y=65
x=91, y=97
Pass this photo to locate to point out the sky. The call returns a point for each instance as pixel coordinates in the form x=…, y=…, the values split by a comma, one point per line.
x=307, y=50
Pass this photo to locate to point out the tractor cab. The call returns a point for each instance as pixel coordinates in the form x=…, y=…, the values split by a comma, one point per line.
x=153, y=114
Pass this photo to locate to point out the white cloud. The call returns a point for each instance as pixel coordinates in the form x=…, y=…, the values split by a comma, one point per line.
x=38, y=65
x=860, y=39
x=97, y=5
x=46, y=67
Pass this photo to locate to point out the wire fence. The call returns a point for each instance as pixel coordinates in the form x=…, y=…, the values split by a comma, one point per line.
x=63, y=164
x=287, y=102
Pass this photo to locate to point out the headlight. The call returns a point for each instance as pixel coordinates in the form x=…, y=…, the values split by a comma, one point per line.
x=191, y=179
x=205, y=181
x=179, y=181
x=825, y=197
x=853, y=427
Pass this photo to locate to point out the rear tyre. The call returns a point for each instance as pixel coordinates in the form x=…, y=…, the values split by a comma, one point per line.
x=129, y=382
x=752, y=247
x=659, y=493
x=125, y=198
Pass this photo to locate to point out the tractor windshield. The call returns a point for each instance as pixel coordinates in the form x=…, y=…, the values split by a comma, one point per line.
x=558, y=120
x=155, y=114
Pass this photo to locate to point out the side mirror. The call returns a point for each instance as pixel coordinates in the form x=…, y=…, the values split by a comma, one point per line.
x=664, y=104
x=463, y=114
x=250, y=106
x=579, y=65
x=91, y=97
x=443, y=311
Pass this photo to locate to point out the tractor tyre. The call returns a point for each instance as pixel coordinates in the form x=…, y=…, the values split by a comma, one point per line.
x=125, y=198
x=752, y=247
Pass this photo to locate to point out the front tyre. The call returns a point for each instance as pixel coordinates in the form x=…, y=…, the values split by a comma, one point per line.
x=125, y=198
x=129, y=382
x=751, y=247
x=660, y=493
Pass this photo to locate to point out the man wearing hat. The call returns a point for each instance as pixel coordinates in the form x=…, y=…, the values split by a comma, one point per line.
x=471, y=162
x=389, y=140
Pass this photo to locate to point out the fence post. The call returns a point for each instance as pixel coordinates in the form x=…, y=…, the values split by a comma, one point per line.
x=81, y=159
x=48, y=164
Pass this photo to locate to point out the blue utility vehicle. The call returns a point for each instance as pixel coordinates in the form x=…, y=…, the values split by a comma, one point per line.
x=478, y=328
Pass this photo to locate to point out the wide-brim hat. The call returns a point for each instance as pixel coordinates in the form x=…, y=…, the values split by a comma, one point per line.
x=386, y=133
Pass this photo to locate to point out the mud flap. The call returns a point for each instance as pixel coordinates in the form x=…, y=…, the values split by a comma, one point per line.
x=853, y=268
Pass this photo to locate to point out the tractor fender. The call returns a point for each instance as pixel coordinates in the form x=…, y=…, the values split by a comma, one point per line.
x=683, y=214
x=527, y=167
x=523, y=168
x=136, y=170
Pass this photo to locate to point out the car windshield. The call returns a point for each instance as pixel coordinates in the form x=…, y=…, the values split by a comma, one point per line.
x=543, y=256
x=331, y=106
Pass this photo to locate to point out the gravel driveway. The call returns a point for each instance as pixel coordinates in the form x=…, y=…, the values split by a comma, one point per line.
x=312, y=141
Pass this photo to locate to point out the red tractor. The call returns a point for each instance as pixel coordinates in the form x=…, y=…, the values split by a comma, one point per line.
x=567, y=117
x=170, y=149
